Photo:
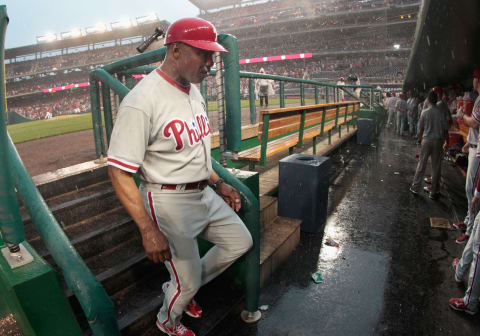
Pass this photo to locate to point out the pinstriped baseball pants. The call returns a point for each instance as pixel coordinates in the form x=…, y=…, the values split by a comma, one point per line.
x=470, y=185
x=183, y=216
x=470, y=258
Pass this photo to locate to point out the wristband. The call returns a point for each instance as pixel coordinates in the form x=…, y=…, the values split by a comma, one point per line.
x=217, y=184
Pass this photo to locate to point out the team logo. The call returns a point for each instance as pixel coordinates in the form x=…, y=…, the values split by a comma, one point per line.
x=195, y=129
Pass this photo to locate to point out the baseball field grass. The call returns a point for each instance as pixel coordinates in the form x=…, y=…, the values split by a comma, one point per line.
x=51, y=127
x=74, y=123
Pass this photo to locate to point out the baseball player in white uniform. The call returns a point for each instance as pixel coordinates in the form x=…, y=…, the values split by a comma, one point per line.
x=162, y=133
x=470, y=261
x=401, y=111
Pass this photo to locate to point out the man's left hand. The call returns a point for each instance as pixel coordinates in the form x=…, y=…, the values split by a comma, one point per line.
x=229, y=195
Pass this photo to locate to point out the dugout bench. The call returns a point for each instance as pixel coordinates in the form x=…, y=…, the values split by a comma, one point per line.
x=285, y=128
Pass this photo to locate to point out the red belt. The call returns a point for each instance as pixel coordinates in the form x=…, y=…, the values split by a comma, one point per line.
x=187, y=186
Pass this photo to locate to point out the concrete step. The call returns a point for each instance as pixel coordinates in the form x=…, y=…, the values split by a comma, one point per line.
x=268, y=211
x=76, y=206
x=276, y=244
x=70, y=179
x=82, y=233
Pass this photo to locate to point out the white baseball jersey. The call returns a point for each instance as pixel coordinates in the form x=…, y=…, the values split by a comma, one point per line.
x=162, y=131
x=401, y=106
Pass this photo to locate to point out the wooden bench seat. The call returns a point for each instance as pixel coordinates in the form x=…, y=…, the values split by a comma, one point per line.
x=284, y=128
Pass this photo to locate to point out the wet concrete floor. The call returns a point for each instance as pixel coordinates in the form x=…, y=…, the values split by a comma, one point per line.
x=391, y=274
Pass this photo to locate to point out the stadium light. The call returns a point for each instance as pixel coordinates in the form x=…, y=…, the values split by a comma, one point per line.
x=74, y=33
x=122, y=24
x=396, y=46
x=152, y=17
x=98, y=28
x=49, y=37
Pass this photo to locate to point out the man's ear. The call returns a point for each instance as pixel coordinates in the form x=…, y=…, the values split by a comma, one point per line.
x=176, y=50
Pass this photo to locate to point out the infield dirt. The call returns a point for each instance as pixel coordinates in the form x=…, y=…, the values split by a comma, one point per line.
x=49, y=154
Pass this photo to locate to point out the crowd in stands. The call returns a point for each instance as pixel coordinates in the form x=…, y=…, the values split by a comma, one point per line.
x=301, y=35
x=272, y=11
x=47, y=82
x=74, y=59
x=59, y=103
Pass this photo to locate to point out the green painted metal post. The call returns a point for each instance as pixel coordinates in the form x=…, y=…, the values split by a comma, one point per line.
x=327, y=95
x=263, y=148
x=324, y=115
x=302, y=126
x=371, y=99
x=233, y=123
x=282, y=94
x=96, y=120
x=336, y=115
x=314, y=145
x=11, y=225
x=204, y=90
x=302, y=94
x=107, y=111
x=317, y=101
x=251, y=99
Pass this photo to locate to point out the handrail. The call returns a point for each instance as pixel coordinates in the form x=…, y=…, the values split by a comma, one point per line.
x=11, y=225
x=96, y=304
x=308, y=107
x=251, y=214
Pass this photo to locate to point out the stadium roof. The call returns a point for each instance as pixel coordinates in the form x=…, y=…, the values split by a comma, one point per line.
x=446, y=48
x=216, y=4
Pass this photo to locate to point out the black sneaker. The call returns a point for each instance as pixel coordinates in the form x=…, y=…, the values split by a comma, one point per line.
x=428, y=180
x=413, y=191
x=434, y=196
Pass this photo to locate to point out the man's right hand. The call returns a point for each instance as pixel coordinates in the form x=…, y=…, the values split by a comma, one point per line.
x=465, y=148
x=156, y=246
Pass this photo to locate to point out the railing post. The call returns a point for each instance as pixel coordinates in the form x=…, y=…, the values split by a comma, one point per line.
x=336, y=116
x=251, y=97
x=263, y=148
x=107, y=111
x=302, y=127
x=302, y=94
x=324, y=115
x=327, y=95
x=96, y=120
x=371, y=99
x=317, y=101
x=282, y=94
x=233, y=127
x=204, y=90
x=11, y=225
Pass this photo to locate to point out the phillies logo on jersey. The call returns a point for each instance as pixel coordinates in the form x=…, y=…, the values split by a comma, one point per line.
x=195, y=129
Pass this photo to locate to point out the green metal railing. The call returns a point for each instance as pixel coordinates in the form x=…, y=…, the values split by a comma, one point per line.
x=11, y=225
x=96, y=304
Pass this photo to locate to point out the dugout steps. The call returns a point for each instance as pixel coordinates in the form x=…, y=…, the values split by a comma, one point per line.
x=83, y=201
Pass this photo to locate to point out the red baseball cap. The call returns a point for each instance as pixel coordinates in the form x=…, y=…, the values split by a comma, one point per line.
x=195, y=32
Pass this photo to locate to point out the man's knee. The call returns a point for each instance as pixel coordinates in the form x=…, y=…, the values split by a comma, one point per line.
x=247, y=243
